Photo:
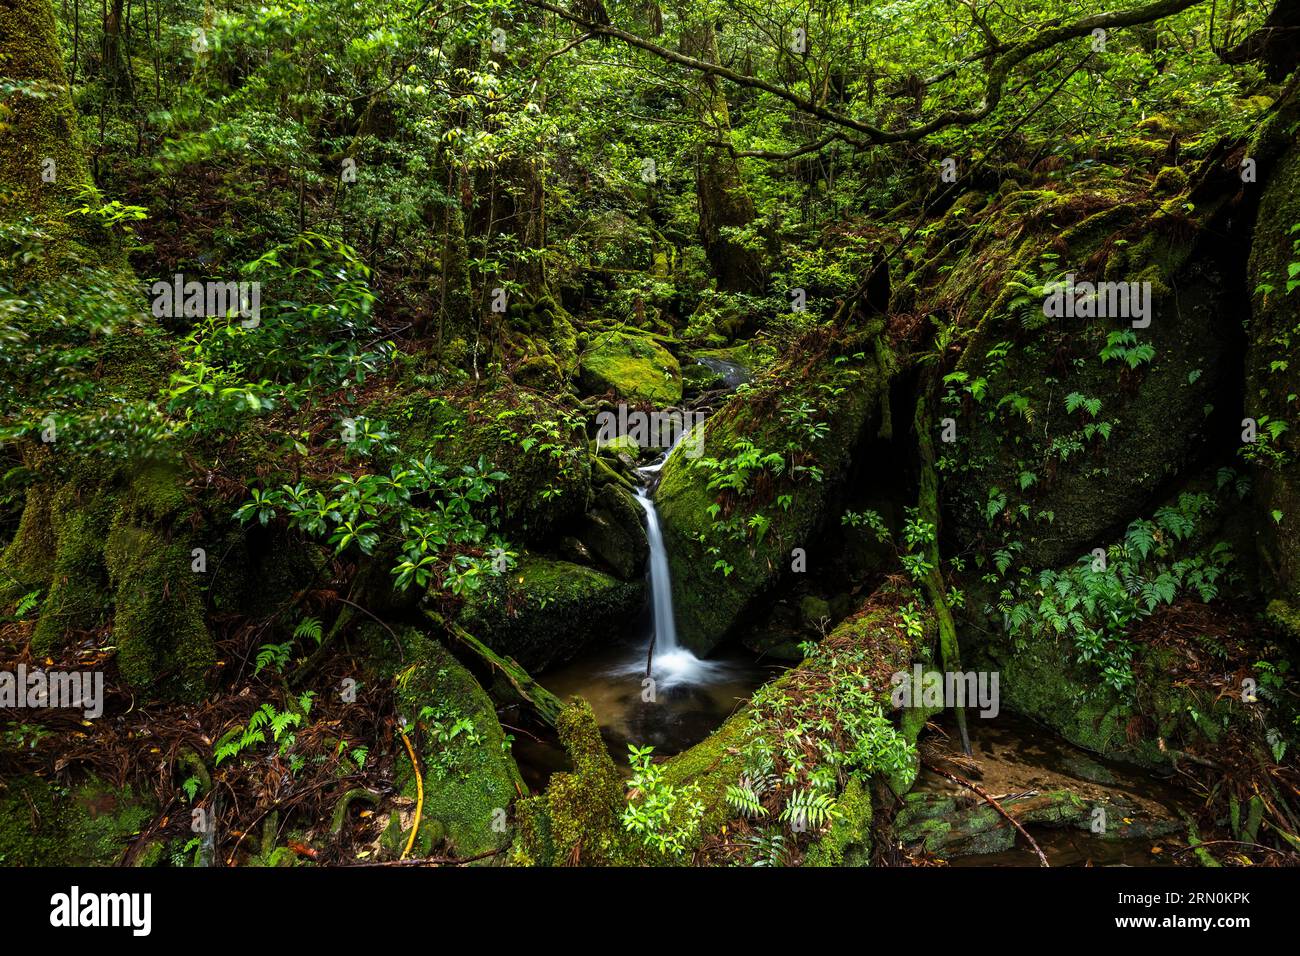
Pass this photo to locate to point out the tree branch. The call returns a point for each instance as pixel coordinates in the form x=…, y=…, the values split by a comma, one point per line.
x=1012, y=57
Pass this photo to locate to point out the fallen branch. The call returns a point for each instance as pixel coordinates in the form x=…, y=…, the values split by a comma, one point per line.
x=419, y=795
x=432, y=860
x=546, y=704
x=987, y=797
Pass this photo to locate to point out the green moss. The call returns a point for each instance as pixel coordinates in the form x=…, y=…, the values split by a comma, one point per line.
x=90, y=826
x=708, y=603
x=468, y=787
x=1082, y=487
x=578, y=819
x=1170, y=181
x=78, y=596
x=27, y=561
x=849, y=841
x=631, y=366
x=1273, y=354
x=158, y=622
x=546, y=610
x=36, y=128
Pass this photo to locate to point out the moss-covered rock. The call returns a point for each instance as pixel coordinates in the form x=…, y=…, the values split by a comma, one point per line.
x=540, y=446
x=470, y=779
x=1273, y=360
x=853, y=406
x=632, y=366
x=545, y=610
x=848, y=842
x=718, y=762
x=614, y=531
x=577, y=820
x=92, y=825
x=1032, y=462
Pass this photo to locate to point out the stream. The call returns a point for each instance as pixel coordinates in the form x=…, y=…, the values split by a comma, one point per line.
x=681, y=701
x=683, y=698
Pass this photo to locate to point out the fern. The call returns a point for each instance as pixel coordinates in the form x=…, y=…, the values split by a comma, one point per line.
x=809, y=808
x=26, y=603
x=309, y=627
x=268, y=655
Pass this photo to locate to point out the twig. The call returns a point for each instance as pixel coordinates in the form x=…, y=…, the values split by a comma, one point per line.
x=419, y=795
x=432, y=860
x=981, y=792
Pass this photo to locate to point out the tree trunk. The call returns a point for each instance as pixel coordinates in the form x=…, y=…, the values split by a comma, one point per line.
x=719, y=187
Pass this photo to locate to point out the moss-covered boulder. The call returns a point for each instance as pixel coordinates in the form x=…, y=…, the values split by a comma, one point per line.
x=545, y=611
x=577, y=820
x=93, y=824
x=1273, y=362
x=866, y=649
x=850, y=387
x=542, y=448
x=1046, y=431
x=542, y=343
x=469, y=777
x=614, y=531
x=632, y=366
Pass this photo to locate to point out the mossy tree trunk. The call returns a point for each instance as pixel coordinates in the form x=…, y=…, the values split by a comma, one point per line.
x=44, y=164
x=928, y=510
x=719, y=185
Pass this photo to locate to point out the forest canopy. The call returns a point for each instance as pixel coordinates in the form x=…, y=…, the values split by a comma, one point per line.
x=530, y=432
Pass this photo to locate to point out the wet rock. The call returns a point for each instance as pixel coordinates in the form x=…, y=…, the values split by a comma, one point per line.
x=614, y=532
x=545, y=610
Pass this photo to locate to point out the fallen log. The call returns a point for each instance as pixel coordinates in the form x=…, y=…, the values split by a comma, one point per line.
x=546, y=704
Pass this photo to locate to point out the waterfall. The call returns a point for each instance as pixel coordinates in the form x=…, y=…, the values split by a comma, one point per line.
x=670, y=663
x=661, y=583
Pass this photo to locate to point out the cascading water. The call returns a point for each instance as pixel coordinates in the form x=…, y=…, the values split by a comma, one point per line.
x=686, y=698
x=669, y=663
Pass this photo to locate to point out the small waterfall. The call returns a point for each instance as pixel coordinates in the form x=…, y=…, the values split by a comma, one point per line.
x=669, y=662
x=661, y=584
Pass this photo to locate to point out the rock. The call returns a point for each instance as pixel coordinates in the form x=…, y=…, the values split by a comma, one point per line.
x=614, y=531
x=814, y=612
x=93, y=825
x=710, y=604
x=623, y=447
x=634, y=367
x=1273, y=370
x=470, y=780
x=698, y=377
x=1030, y=468
x=577, y=820
x=521, y=433
x=545, y=610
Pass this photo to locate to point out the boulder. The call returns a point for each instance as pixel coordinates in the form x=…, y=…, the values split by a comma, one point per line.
x=614, y=531
x=851, y=397
x=545, y=611
x=632, y=366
